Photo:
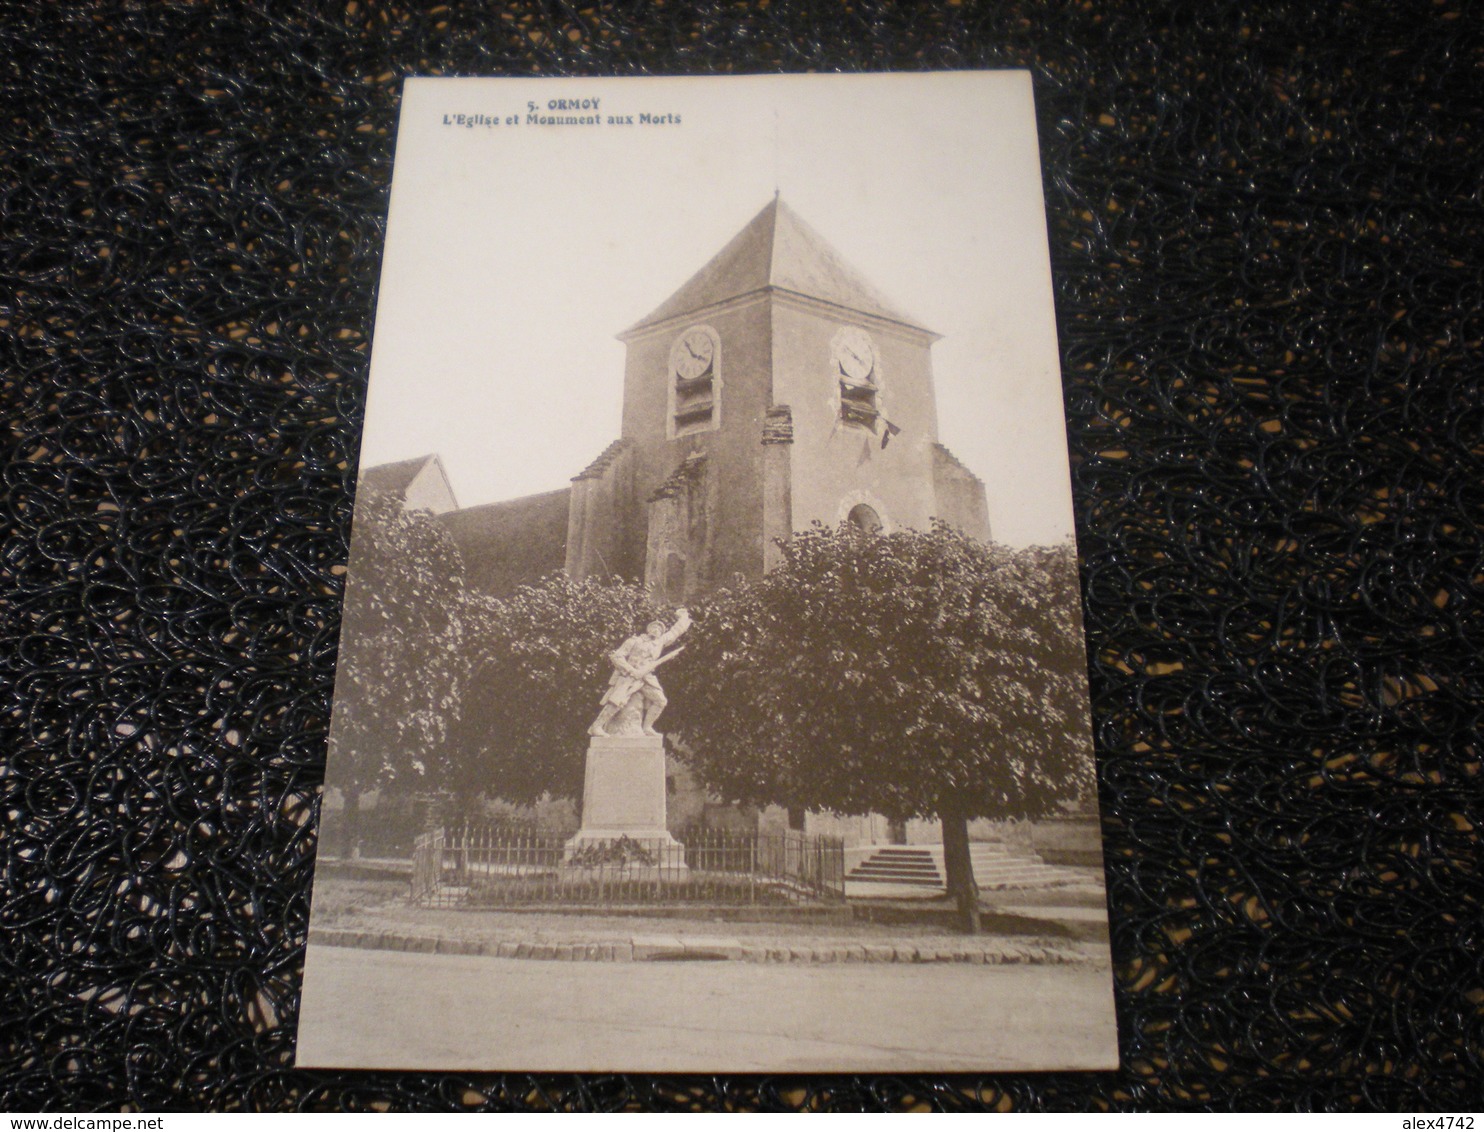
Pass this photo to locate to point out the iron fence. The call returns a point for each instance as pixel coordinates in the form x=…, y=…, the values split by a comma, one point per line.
x=493, y=867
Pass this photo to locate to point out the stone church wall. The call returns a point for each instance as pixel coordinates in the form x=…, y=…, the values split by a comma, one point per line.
x=961, y=498
x=837, y=465
x=733, y=497
x=680, y=530
x=600, y=523
x=777, y=444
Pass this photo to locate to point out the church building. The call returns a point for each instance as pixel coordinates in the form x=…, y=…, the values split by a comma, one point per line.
x=776, y=388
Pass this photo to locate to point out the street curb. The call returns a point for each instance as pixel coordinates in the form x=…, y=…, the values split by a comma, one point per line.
x=641, y=949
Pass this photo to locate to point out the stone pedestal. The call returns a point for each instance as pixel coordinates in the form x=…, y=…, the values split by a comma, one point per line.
x=623, y=795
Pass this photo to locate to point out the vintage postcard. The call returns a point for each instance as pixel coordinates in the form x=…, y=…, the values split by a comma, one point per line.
x=711, y=691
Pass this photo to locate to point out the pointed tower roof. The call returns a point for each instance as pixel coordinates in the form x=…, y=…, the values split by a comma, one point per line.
x=776, y=250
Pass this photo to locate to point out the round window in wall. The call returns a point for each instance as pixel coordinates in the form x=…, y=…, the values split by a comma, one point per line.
x=865, y=518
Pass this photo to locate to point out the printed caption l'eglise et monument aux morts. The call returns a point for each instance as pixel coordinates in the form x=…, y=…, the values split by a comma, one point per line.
x=775, y=390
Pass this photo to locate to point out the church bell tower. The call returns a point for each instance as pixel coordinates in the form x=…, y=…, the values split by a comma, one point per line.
x=775, y=388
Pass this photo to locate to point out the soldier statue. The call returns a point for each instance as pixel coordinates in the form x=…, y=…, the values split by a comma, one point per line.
x=634, y=663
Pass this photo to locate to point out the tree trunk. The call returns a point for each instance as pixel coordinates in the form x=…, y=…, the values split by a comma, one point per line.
x=960, y=866
x=350, y=833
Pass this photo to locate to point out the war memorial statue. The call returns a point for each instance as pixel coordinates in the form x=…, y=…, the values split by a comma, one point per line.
x=634, y=663
x=623, y=793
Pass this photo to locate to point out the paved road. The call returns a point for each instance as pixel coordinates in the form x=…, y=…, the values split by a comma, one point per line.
x=401, y=1010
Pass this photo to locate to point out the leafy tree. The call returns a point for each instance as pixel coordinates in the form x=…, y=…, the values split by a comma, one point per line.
x=916, y=674
x=539, y=666
x=397, y=681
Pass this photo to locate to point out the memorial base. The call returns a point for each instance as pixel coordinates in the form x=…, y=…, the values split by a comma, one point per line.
x=623, y=797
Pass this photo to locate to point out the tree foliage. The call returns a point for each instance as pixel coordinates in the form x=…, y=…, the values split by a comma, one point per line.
x=539, y=664
x=913, y=674
x=397, y=681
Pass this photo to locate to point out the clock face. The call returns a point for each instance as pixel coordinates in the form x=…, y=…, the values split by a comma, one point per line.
x=855, y=354
x=692, y=354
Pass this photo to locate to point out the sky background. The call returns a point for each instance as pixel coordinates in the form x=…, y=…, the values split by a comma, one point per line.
x=515, y=254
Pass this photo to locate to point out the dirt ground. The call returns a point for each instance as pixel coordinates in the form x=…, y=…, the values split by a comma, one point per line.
x=395, y=1010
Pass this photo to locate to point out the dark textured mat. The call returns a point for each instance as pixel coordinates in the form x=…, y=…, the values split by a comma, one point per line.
x=1266, y=224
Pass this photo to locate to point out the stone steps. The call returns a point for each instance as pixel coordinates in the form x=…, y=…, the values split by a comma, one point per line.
x=899, y=865
x=995, y=866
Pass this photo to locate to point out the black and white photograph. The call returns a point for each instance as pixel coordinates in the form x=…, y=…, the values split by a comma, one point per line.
x=711, y=692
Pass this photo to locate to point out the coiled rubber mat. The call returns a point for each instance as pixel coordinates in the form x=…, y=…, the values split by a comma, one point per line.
x=1266, y=223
